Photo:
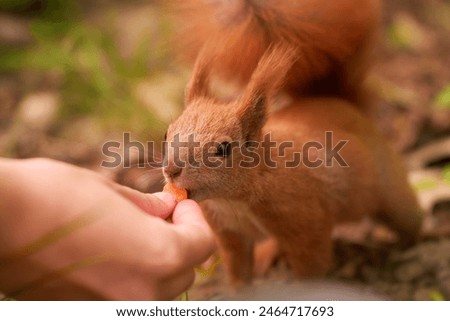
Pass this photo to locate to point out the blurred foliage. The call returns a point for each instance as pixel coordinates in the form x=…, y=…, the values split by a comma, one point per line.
x=425, y=185
x=405, y=33
x=446, y=173
x=442, y=100
x=14, y=4
x=436, y=296
x=430, y=184
x=95, y=80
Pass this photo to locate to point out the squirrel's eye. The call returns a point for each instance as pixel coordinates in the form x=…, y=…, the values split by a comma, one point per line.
x=224, y=149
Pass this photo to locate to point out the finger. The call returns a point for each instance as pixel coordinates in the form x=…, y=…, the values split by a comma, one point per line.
x=158, y=204
x=197, y=237
x=170, y=288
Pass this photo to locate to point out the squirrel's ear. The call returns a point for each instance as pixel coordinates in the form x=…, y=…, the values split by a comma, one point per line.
x=252, y=114
x=198, y=86
x=267, y=78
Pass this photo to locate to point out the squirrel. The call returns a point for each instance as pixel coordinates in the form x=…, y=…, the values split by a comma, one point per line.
x=239, y=161
x=334, y=40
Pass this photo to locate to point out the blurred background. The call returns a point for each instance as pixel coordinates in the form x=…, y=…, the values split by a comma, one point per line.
x=75, y=74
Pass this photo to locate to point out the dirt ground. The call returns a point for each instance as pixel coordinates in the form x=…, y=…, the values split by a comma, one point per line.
x=411, y=77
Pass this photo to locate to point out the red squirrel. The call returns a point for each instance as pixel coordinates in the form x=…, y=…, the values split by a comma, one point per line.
x=334, y=39
x=250, y=191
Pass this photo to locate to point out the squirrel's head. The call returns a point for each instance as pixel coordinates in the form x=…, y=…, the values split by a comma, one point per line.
x=210, y=148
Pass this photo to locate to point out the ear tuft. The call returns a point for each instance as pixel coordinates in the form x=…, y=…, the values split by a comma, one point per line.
x=266, y=80
x=198, y=86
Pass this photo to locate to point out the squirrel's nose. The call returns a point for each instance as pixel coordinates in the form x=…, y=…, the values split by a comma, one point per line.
x=172, y=170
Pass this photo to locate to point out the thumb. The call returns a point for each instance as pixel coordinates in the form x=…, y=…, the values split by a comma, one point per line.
x=188, y=212
x=194, y=230
x=157, y=204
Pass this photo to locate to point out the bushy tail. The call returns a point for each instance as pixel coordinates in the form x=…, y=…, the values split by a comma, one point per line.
x=333, y=39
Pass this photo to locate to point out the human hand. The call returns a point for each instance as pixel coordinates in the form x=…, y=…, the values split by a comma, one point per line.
x=68, y=233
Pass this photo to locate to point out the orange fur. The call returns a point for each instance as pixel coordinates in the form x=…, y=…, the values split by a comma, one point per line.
x=333, y=39
x=299, y=206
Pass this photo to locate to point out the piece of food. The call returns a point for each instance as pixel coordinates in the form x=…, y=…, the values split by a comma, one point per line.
x=179, y=193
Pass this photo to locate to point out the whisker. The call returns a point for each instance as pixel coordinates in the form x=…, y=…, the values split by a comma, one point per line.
x=234, y=211
x=145, y=179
